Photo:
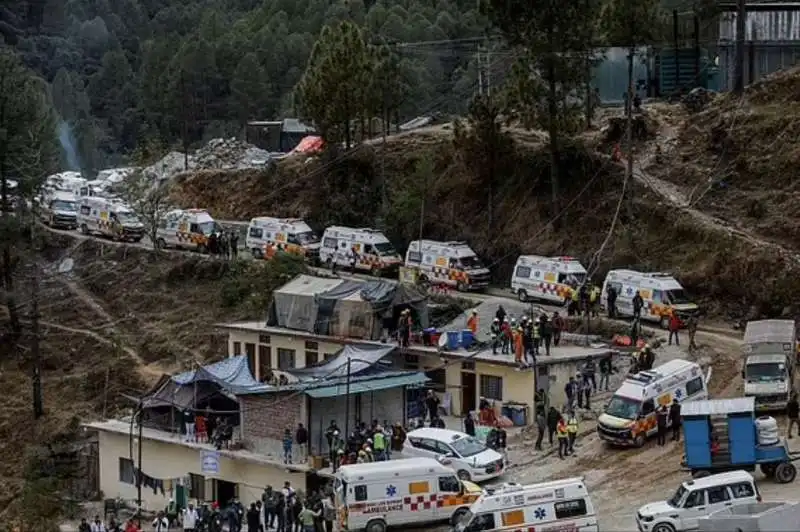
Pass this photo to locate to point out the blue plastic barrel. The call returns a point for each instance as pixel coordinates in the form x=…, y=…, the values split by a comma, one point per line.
x=519, y=417
x=467, y=339
x=507, y=411
x=453, y=340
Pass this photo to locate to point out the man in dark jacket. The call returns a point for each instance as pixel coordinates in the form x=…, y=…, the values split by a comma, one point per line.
x=469, y=424
x=611, y=302
x=301, y=439
x=638, y=303
x=675, y=419
x=269, y=499
x=253, y=518
x=793, y=413
x=605, y=372
x=552, y=423
x=661, y=424
x=546, y=331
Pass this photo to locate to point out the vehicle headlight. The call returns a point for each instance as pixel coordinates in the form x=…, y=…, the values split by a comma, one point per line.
x=647, y=518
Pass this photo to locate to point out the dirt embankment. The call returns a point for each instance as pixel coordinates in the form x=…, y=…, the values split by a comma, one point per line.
x=718, y=268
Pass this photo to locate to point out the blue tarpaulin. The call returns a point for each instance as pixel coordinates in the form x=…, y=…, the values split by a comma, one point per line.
x=231, y=374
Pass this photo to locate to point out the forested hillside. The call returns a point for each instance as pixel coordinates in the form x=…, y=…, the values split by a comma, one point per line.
x=144, y=74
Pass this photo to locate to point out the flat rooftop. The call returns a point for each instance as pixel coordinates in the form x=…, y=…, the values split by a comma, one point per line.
x=123, y=428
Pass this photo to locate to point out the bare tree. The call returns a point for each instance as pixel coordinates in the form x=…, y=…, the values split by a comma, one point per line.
x=149, y=199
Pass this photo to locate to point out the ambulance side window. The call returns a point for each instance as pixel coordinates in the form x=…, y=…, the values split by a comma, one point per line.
x=449, y=484
x=85, y=210
x=360, y=493
x=658, y=297
x=694, y=386
x=648, y=407
x=567, y=509
x=329, y=243
x=369, y=250
x=194, y=228
x=256, y=232
x=523, y=272
x=415, y=257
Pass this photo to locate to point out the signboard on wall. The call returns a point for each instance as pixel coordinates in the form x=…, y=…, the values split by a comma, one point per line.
x=209, y=462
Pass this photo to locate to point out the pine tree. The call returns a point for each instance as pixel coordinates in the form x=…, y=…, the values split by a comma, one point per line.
x=249, y=89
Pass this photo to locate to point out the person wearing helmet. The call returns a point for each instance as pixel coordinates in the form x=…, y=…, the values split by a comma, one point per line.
x=472, y=322
x=506, y=329
x=496, y=335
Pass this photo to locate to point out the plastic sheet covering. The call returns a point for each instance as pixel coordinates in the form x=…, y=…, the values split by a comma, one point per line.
x=231, y=374
x=294, y=306
x=362, y=357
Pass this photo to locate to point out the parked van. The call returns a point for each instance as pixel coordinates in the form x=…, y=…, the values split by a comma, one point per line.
x=372, y=250
x=448, y=263
x=769, y=349
x=547, y=278
x=265, y=235
x=186, y=229
x=661, y=292
x=629, y=417
x=109, y=218
x=698, y=498
x=558, y=505
x=414, y=491
x=59, y=209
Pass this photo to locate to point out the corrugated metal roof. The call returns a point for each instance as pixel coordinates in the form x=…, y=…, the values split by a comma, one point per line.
x=308, y=285
x=368, y=385
x=762, y=26
x=713, y=407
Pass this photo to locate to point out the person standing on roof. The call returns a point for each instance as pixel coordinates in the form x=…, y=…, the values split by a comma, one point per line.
x=638, y=303
x=527, y=336
x=496, y=333
x=611, y=302
x=508, y=334
x=500, y=314
x=546, y=332
x=674, y=327
x=558, y=326
x=563, y=437
x=472, y=322
x=536, y=336
x=519, y=347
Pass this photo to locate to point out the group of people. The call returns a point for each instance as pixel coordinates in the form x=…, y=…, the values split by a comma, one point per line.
x=366, y=443
x=286, y=510
x=527, y=338
x=584, y=299
x=203, y=427
x=224, y=245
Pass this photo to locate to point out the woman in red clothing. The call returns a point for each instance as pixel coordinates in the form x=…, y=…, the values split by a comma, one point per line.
x=674, y=326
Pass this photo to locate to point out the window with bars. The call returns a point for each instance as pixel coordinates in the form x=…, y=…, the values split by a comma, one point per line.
x=491, y=387
x=286, y=358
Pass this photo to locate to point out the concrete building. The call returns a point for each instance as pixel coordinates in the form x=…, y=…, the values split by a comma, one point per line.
x=353, y=385
x=461, y=376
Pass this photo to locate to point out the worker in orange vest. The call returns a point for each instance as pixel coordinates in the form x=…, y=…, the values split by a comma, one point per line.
x=472, y=322
x=519, y=346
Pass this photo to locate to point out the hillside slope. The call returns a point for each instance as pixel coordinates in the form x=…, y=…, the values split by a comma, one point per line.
x=715, y=264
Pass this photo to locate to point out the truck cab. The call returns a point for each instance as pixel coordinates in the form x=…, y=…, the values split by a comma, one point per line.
x=769, y=348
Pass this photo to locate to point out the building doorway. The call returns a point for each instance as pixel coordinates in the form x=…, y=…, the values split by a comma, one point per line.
x=224, y=492
x=469, y=392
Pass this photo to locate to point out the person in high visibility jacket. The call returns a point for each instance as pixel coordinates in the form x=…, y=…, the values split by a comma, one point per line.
x=472, y=322
x=594, y=300
x=574, y=302
x=563, y=438
x=379, y=444
x=572, y=430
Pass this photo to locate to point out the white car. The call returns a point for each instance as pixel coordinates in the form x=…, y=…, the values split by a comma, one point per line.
x=468, y=457
x=698, y=498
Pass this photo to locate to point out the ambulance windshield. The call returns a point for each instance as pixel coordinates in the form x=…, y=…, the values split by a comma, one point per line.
x=623, y=407
x=207, y=227
x=385, y=248
x=126, y=217
x=65, y=206
x=677, y=297
x=471, y=263
x=306, y=238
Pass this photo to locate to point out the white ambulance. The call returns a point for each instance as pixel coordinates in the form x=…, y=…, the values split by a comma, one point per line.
x=449, y=263
x=109, y=218
x=370, y=249
x=629, y=417
x=661, y=292
x=547, y=278
x=265, y=234
x=186, y=229
x=560, y=505
x=413, y=491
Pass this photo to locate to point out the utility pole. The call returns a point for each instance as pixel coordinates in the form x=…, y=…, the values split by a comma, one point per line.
x=347, y=402
x=36, y=355
x=741, y=28
x=629, y=128
x=488, y=69
x=480, y=71
x=139, y=473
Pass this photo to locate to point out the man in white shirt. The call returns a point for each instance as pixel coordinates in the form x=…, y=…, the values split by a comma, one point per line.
x=190, y=518
x=97, y=525
x=161, y=523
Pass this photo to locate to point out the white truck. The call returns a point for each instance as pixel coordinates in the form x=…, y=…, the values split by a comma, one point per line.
x=755, y=517
x=769, y=349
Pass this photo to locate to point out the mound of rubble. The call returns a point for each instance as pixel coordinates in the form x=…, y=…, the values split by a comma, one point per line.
x=218, y=154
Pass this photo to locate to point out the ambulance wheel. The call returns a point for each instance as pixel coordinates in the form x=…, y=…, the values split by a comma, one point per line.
x=639, y=440
x=458, y=515
x=376, y=525
x=785, y=473
x=257, y=253
x=665, y=323
x=464, y=475
x=663, y=527
x=161, y=244
x=84, y=229
x=523, y=296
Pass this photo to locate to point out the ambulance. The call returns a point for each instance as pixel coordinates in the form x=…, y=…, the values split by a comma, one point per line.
x=449, y=263
x=557, y=506
x=281, y=234
x=629, y=418
x=407, y=492
x=186, y=229
x=109, y=218
x=373, y=251
x=661, y=292
x=546, y=278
